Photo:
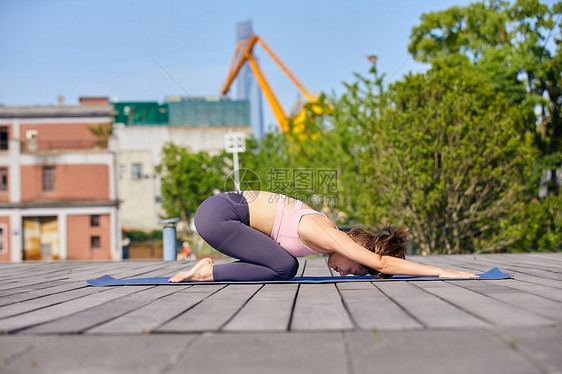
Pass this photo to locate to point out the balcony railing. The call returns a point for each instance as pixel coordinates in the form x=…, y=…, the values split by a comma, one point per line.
x=32, y=146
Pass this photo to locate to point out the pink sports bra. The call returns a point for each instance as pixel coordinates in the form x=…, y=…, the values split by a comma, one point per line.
x=286, y=228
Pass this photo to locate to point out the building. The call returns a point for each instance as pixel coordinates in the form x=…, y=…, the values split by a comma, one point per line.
x=144, y=113
x=210, y=111
x=58, y=188
x=248, y=88
x=142, y=129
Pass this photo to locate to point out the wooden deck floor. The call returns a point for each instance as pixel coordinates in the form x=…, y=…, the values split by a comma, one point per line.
x=51, y=321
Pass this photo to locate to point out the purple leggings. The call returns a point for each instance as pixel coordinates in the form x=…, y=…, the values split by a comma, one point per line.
x=223, y=221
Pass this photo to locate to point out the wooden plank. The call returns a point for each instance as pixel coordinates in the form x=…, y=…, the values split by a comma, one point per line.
x=546, y=261
x=23, y=289
x=150, y=316
x=319, y=307
x=518, y=268
x=494, y=311
x=531, y=279
x=213, y=312
x=459, y=262
x=548, y=257
x=541, y=345
x=160, y=272
x=270, y=353
x=529, y=302
x=302, y=266
x=19, y=322
x=133, y=273
x=469, y=351
x=81, y=321
x=37, y=271
x=118, y=270
x=316, y=267
x=388, y=306
x=205, y=288
x=47, y=276
x=317, y=272
x=316, y=261
x=11, y=348
x=354, y=285
x=428, y=309
x=269, y=310
x=45, y=302
x=80, y=274
x=371, y=309
x=97, y=354
x=32, y=282
x=537, y=273
x=42, y=292
x=465, y=263
x=547, y=292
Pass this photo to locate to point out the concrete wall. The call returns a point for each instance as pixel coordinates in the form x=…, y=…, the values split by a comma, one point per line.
x=71, y=182
x=140, y=209
x=79, y=237
x=59, y=135
x=5, y=252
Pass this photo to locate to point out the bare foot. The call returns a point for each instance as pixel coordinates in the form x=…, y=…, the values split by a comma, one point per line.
x=202, y=271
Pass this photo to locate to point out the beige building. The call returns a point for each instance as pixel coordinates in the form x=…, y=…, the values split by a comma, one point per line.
x=138, y=151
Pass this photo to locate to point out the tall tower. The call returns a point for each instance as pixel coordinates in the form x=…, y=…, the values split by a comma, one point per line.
x=248, y=88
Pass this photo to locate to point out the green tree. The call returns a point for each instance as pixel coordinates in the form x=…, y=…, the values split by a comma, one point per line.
x=189, y=178
x=508, y=42
x=262, y=156
x=326, y=155
x=535, y=224
x=511, y=44
x=340, y=144
x=450, y=159
x=102, y=132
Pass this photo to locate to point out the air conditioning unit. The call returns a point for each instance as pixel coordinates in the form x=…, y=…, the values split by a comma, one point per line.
x=31, y=140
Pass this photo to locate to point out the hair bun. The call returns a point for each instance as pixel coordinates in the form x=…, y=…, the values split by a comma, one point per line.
x=391, y=243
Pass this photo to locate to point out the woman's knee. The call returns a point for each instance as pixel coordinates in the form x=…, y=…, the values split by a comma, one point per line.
x=288, y=269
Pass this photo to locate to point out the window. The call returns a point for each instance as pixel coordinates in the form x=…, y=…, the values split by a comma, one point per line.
x=122, y=170
x=3, y=138
x=94, y=220
x=3, y=179
x=3, y=238
x=136, y=169
x=48, y=178
x=95, y=242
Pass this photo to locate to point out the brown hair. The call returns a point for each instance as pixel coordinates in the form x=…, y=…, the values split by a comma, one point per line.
x=392, y=243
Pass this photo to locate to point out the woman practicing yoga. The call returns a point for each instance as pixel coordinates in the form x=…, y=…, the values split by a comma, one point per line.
x=267, y=231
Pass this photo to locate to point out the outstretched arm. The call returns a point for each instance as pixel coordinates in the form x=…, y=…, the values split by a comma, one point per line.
x=337, y=241
x=393, y=265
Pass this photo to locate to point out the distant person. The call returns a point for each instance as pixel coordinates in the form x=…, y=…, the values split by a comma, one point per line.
x=267, y=231
x=185, y=253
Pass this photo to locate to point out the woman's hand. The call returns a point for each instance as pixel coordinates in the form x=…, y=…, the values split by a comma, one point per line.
x=448, y=273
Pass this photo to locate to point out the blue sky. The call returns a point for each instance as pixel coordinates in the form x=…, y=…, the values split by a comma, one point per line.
x=104, y=47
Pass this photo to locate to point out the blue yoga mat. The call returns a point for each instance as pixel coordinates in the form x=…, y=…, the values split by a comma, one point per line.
x=108, y=280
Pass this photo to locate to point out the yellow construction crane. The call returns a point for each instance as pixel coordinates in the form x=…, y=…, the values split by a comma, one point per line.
x=244, y=52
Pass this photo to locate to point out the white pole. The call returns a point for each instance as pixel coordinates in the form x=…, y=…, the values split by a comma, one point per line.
x=234, y=143
x=236, y=174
